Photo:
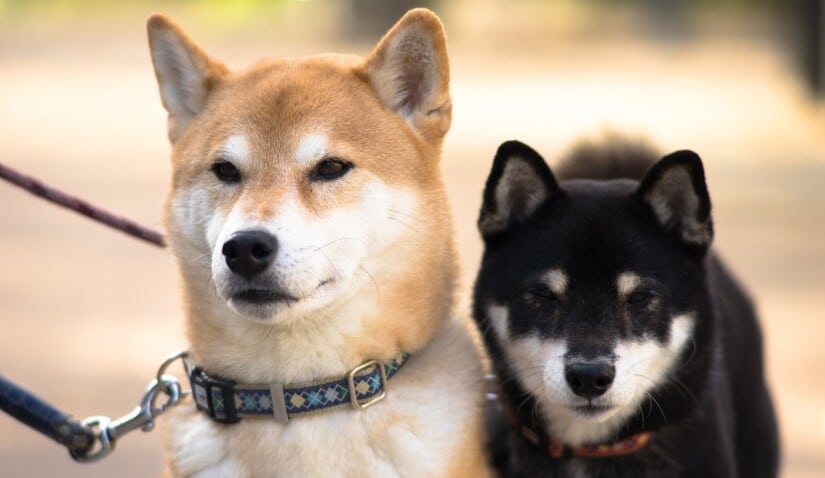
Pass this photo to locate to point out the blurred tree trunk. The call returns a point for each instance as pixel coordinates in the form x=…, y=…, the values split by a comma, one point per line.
x=668, y=19
x=811, y=23
x=369, y=19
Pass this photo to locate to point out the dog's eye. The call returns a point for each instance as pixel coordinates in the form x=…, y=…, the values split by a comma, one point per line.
x=330, y=169
x=640, y=298
x=226, y=172
x=544, y=293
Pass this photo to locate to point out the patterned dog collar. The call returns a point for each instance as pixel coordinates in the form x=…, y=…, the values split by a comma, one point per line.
x=227, y=402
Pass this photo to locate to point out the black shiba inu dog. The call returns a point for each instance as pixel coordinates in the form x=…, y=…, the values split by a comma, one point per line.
x=622, y=346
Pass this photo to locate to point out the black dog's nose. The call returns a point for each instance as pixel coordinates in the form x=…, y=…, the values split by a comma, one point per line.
x=589, y=379
x=249, y=252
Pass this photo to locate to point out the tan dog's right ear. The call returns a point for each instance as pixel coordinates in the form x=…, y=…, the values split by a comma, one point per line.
x=185, y=73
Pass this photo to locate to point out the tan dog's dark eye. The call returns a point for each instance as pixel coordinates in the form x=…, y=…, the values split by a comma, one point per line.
x=330, y=169
x=226, y=172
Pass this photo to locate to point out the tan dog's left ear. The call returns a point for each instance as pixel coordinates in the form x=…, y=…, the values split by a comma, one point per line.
x=185, y=74
x=410, y=73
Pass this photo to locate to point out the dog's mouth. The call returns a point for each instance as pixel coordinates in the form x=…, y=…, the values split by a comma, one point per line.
x=266, y=296
x=592, y=411
x=262, y=297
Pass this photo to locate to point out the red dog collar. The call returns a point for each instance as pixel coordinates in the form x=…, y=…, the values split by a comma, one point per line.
x=557, y=449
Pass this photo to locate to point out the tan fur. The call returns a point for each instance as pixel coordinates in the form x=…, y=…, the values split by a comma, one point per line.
x=387, y=114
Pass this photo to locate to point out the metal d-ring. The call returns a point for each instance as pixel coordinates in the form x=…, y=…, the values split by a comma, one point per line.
x=98, y=426
x=180, y=355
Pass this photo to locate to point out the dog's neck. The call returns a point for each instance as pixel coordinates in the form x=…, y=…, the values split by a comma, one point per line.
x=396, y=310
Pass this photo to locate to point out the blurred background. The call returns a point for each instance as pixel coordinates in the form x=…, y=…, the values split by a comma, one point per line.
x=87, y=314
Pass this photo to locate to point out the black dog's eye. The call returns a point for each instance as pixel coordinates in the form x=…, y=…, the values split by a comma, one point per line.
x=330, y=169
x=226, y=172
x=543, y=292
x=640, y=298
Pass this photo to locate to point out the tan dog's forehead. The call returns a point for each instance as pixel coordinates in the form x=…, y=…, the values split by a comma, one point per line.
x=275, y=106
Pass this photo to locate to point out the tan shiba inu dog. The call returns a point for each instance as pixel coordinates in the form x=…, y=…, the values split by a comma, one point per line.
x=310, y=223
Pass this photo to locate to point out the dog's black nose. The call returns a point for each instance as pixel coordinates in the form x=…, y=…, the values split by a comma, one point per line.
x=589, y=379
x=249, y=252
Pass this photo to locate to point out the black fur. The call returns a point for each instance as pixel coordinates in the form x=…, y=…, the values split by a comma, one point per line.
x=713, y=416
x=625, y=158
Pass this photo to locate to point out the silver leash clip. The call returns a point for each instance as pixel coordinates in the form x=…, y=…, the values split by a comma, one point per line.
x=108, y=431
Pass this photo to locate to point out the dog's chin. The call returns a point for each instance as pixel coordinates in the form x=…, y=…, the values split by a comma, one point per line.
x=254, y=306
x=591, y=413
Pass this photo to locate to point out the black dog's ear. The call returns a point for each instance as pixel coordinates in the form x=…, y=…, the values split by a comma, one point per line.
x=676, y=192
x=519, y=183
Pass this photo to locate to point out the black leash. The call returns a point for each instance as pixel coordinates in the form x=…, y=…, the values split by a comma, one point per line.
x=34, y=412
x=95, y=437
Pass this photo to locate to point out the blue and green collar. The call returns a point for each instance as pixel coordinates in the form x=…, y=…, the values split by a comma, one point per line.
x=226, y=401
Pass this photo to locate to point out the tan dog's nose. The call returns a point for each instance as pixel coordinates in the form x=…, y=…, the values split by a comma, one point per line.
x=248, y=253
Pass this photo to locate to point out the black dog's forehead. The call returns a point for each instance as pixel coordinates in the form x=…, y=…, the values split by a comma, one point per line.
x=591, y=234
x=594, y=236
x=597, y=232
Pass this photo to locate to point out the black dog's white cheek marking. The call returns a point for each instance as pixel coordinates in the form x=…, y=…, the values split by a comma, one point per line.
x=498, y=317
x=538, y=363
x=644, y=364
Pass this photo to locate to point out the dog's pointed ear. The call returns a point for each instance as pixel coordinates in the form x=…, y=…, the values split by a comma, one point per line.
x=675, y=190
x=185, y=74
x=410, y=73
x=519, y=183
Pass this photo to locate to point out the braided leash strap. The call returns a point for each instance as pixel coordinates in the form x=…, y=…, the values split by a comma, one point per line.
x=44, y=418
x=80, y=206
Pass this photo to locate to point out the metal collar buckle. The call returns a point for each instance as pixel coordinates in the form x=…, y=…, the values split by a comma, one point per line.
x=359, y=405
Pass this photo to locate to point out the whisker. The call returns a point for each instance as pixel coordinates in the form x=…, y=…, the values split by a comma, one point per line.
x=684, y=388
x=693, y=351
x=335, y=268
x=404, y=224
x=526, y=399
x=643, y=360
x=652, y=398
x=414, y=218
x=374, y=283
x=337, y=240
x=642, y=414
x=266, y=335
x=661, y=410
